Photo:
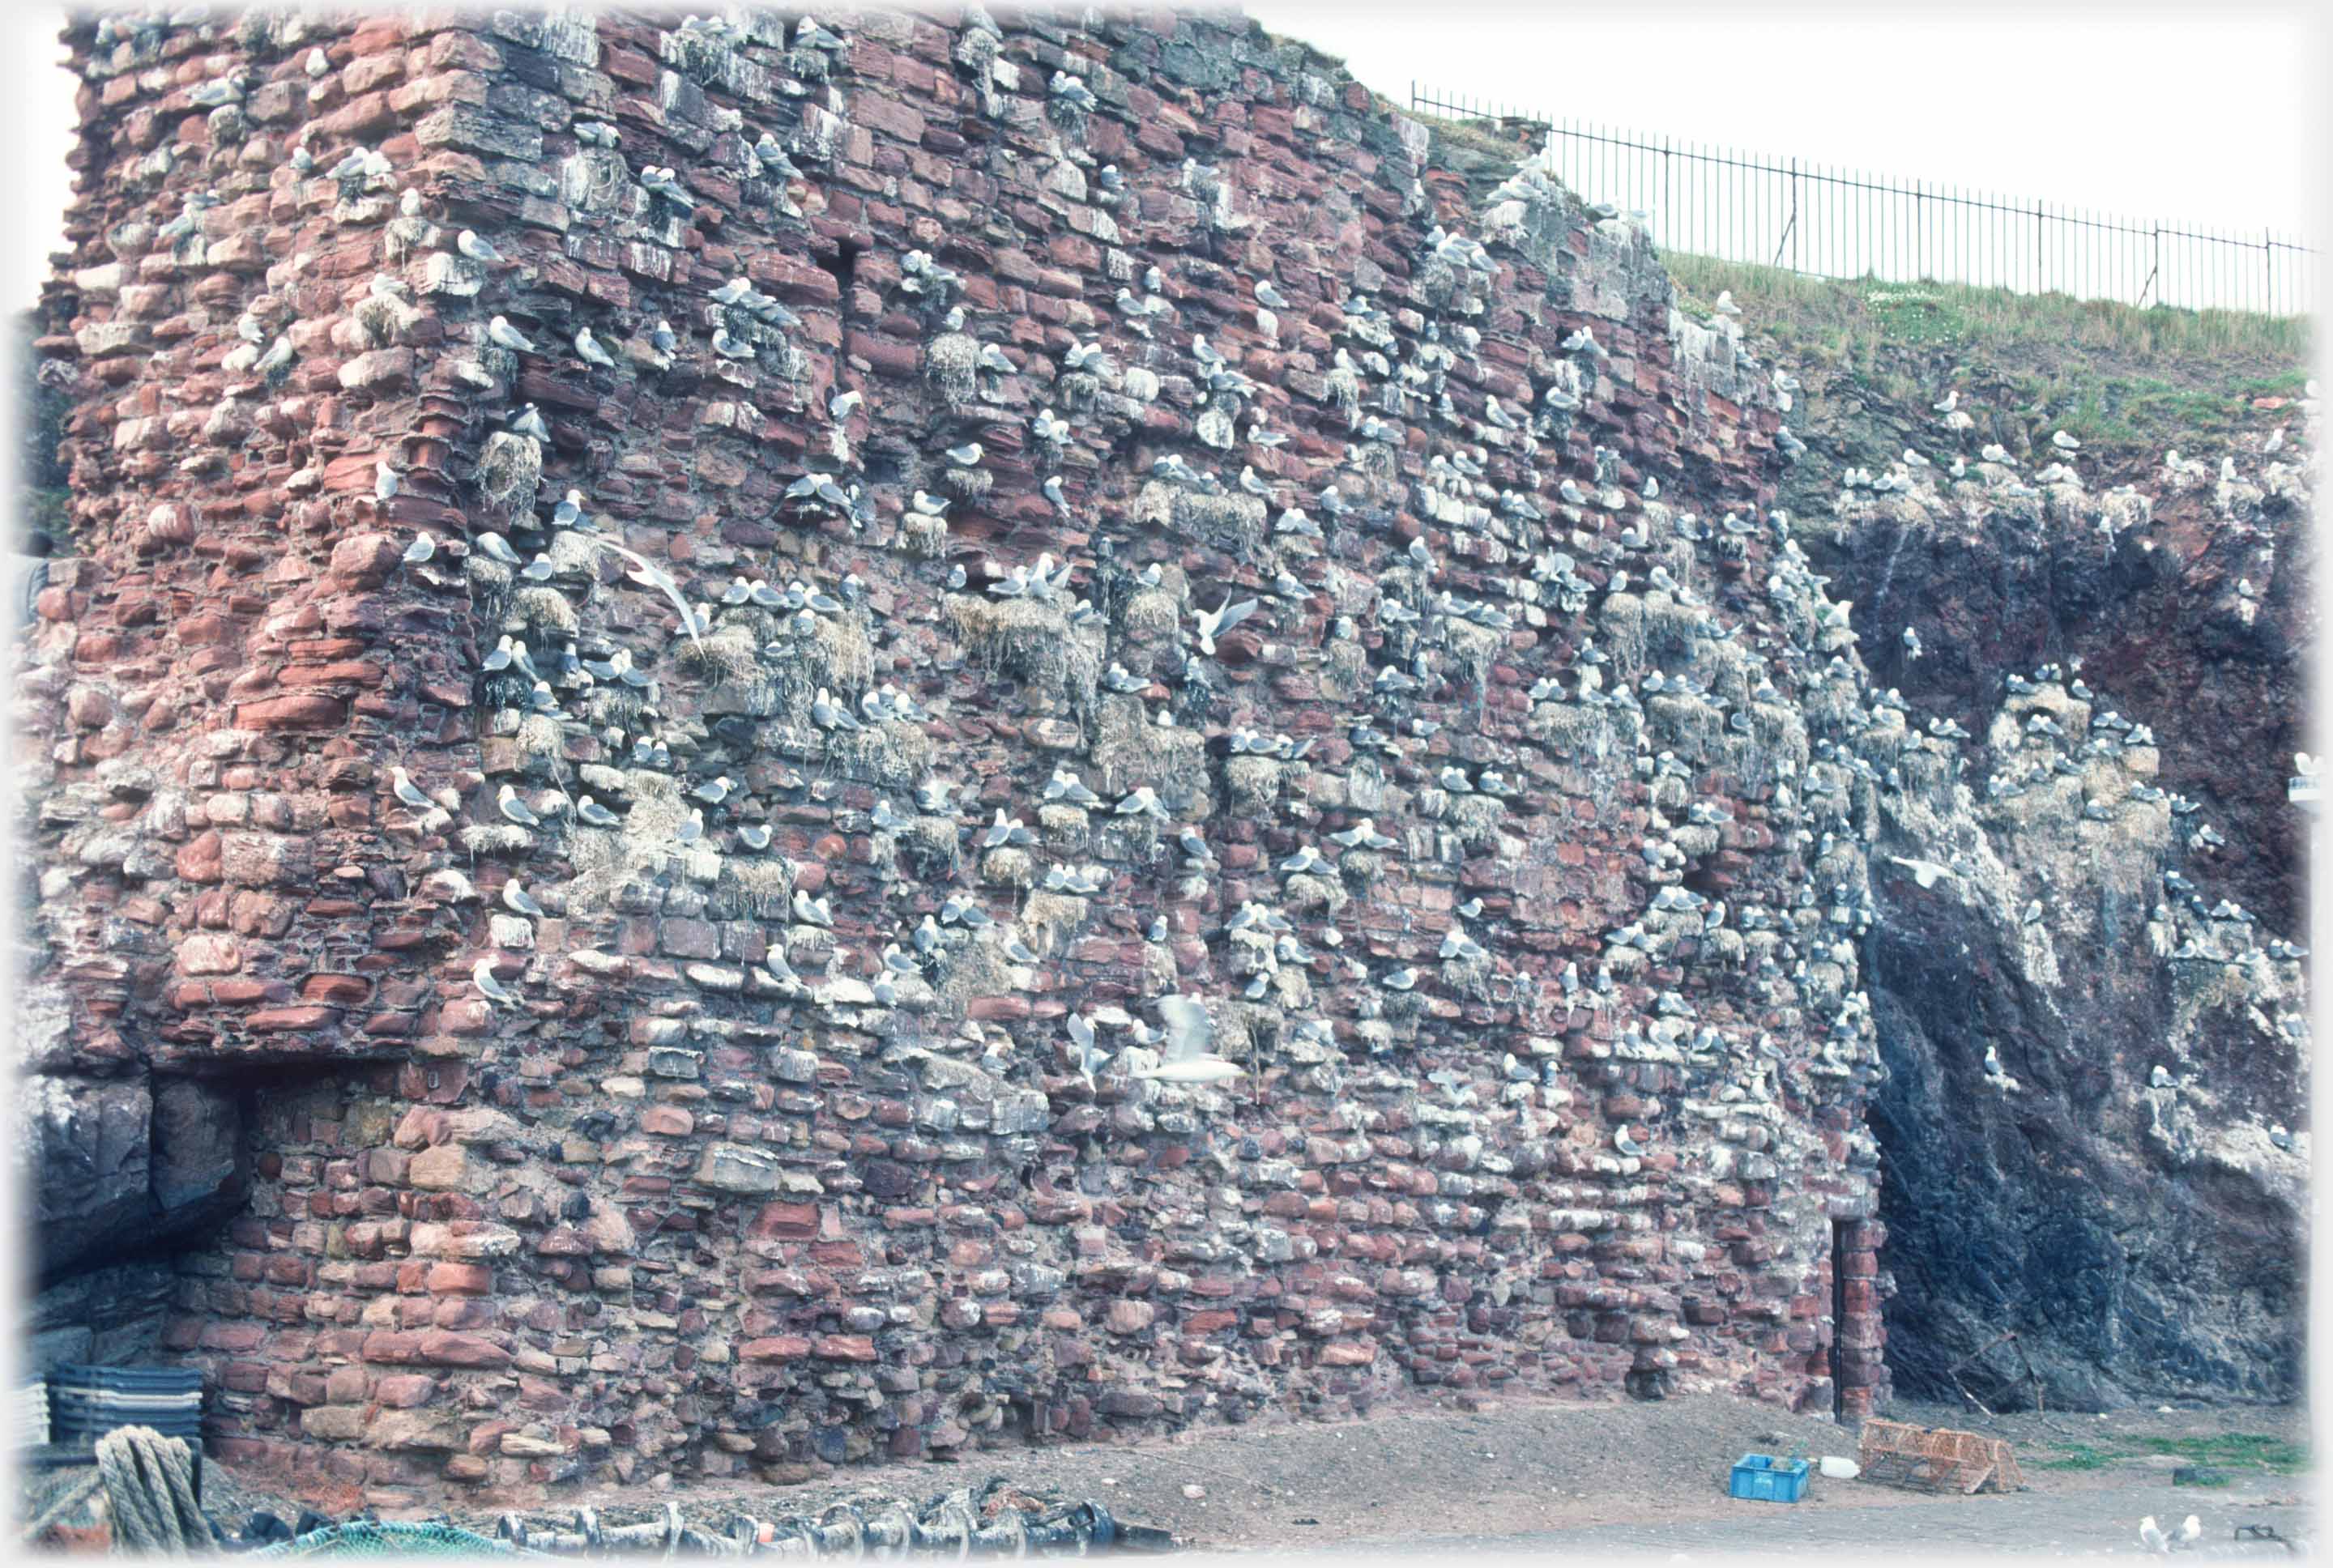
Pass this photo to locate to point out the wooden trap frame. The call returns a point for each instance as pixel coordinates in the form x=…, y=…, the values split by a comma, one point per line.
x=1938, y=1457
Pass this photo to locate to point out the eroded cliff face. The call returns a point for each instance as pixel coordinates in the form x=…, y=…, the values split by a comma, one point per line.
x=2144, y=1240
x=668, y=1074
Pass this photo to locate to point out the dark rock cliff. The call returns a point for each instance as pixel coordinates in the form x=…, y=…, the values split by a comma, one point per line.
x=2143, y=1242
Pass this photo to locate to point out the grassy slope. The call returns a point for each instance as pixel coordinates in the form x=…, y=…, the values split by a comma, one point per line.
x=2126, y=382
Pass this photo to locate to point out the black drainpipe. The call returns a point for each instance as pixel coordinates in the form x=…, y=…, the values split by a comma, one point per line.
x=1838, y=1314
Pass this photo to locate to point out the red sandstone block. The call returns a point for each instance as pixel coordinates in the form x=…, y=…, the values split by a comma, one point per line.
x=691, y=939
x=205, y=954
x=386, y=1345
x=794, y=278
x=336, y=988
x=884, y=356
x=564, y=1242
x=304, y=711
x=386, y=1165
x=203, y=859
x=776, y=1347
x=461, y=1279
x=404, y=1391
x=459, y=1312
x=486, y=1437
x=888, y=116
x=445, y=1348
x=273, y=1020
x=349, y=672
x=785, y=1221
x=232, y=1336
x=256, y=1452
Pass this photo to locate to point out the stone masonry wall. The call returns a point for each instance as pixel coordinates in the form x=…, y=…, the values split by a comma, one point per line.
x=719, y=1189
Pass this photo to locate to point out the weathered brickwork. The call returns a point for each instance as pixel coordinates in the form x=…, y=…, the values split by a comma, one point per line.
x=716, y=1191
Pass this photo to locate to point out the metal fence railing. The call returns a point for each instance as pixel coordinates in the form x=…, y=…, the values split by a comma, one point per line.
x=1785, y=212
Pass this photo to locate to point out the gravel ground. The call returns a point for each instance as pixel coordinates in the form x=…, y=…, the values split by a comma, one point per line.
x=2099, y=1522
x=1518, y=1473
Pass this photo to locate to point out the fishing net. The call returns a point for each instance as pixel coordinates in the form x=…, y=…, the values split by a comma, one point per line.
x=382, y=1538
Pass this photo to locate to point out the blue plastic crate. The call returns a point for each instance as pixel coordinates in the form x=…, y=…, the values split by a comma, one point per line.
x=1764, y=1478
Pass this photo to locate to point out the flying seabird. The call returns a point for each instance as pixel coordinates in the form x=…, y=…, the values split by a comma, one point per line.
x=1924, y=872
x=1214, y=623
x=1187, y=1059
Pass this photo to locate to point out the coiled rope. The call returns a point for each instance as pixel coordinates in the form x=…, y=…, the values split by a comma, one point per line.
x=149, y=1487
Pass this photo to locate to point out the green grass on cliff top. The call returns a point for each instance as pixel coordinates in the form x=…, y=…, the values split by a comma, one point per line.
x=1846, y=314
x=2111, y=375
x=2127, y=382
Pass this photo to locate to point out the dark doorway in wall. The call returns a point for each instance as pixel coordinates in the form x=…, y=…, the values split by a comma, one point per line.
x=844, y=266
x=1838, y=1317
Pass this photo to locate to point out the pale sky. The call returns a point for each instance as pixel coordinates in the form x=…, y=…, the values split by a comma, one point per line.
x=2199, y=116
x=41, y=99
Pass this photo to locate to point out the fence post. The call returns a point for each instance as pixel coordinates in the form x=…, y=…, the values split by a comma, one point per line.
x=2037, y=286
x=1794, y=215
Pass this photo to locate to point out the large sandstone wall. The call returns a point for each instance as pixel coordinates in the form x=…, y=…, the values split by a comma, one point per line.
x=716, y=1190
